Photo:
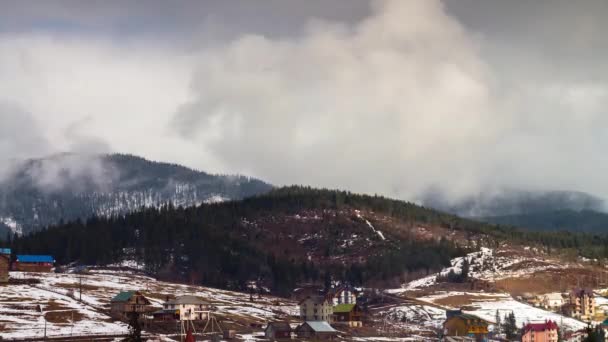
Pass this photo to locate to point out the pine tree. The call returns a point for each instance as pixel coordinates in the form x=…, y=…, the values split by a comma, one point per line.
x=498, y=326
x=464, y=273
x=134, y=328
x=510, y=326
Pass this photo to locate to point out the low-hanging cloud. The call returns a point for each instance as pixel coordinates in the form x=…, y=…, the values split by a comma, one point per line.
x=390, y=105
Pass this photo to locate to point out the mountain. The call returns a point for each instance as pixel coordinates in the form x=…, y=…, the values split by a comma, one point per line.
x=39, y=192
x=287, y=236
x=548, y=210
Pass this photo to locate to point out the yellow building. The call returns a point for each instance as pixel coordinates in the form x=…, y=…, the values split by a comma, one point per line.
x=461, y=324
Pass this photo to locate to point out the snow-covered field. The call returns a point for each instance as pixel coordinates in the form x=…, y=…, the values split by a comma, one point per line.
x=23, y=307
x=486, y=305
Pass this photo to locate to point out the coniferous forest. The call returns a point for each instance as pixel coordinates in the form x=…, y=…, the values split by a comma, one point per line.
x=208, y=244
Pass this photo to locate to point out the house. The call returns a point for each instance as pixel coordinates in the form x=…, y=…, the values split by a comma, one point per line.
x=350, y=314
x=128, y=302
x=552, y=301
x=316, y=330
x=184, y=308
x=461, y=324
x=34, y=263
x=343, y=294
x=581, y=304
x=316, y=308
x=5, y=261
x=540, y=332
x=277, y=331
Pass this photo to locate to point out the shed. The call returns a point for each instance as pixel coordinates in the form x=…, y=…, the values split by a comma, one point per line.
x=278, y=330
x=5, y=261
x=319, y=330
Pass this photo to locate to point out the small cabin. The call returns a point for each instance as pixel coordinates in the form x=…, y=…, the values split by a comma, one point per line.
x=34, y=263
x=318, y=330
x=277, y=331
x=128, y=302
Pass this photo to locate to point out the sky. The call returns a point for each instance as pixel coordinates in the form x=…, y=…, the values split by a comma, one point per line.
x=393, y=97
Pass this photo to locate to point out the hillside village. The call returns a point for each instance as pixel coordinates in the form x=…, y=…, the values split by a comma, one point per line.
x=464, y=302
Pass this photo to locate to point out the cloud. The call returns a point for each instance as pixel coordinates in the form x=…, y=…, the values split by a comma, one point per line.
x=385, y=105
x=391, y=97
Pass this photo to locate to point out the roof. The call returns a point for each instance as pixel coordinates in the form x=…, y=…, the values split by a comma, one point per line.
x=320, y=326
x=123, y=296
x=553, y=296
x=547, y=325
x=5, y=251
x=315, y=299
x=344, y=308
x=186, y=300
x=467, y=317
x=279, y=326
x=581, y=292
x=35, y=258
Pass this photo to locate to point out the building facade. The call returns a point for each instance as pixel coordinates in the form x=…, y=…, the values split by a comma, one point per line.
x=349, y=314
x=34, y=263
x=540, y=332
x=187, y=308
x=552, y=301
x=316, y=308
x=581, y=304
x=344, y=294
x=5, y=262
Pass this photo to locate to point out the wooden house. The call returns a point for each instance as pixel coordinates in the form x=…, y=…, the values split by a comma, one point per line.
x=34, y=263
x=278, y=331
x=317, y=330
x=128, y=302
x=350, y=314
x=316, y=308
x=461, y=324
x=5, y=261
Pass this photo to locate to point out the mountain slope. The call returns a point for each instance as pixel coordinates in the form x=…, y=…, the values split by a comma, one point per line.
x=290, y=235
x=64, y=187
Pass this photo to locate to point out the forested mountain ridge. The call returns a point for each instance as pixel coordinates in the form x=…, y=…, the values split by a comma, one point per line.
x=40, y=192
x=286, y=236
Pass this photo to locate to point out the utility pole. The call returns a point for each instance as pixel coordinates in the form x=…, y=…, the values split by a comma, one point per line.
x=80, y=288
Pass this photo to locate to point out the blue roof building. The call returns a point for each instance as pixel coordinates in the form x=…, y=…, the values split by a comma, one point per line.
x=35, y=258
x=5, y=251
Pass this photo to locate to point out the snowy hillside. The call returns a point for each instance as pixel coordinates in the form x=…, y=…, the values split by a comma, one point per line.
x=24, y=308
